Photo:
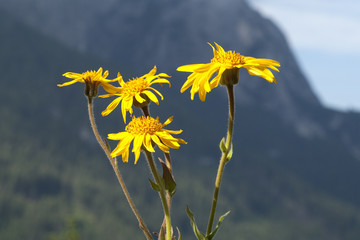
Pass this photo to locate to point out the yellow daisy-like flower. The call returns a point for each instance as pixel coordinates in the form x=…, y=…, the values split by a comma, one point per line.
x=226, y=64
x=92, y=80
x=135, y=92
x=145, y=131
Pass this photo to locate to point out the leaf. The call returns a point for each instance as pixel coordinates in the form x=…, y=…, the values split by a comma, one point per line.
x=230, y=153
x=107, y=145
x=179, y=238
x=162, y=233
x=169, y=181
x=222, y=146
x=154, y=186
x=212, y=234
x=198, y=234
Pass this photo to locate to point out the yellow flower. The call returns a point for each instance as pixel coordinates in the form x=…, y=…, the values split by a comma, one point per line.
x=92, y=80
x=134, y=92
x=225, y=64
x=144, y=131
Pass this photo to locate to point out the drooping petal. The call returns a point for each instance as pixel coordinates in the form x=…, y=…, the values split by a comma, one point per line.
x=68, y=83
x=163, y=147
x=174, y=131
x=188, y=83
x=147, y=143
x=138, y=141
x=122, y=146
x=151, y=96
x=158, y=93
x=111, y=106
x=125, y=155
x=139, y=98
x=110, y=88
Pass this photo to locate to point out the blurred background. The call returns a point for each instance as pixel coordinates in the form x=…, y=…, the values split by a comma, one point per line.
x=295, y=169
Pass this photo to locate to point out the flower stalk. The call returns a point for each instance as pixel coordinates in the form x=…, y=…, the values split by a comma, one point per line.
x=113, y=163
x=167, y=219
x=162, y=193
x=224, y=158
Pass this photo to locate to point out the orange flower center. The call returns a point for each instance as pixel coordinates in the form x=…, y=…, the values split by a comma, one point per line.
x=144, y=125
x=229, y=57
x=135, y=86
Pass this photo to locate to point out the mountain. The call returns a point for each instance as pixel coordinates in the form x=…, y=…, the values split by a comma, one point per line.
x=295, y=170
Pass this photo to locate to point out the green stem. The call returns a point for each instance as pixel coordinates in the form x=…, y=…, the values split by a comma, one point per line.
x=113, y=163
x=162, y=193
x=223, y=158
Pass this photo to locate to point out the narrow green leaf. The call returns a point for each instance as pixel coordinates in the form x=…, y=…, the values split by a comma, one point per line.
x=222, y=145
x=162, y=234
x=170, y=184
x=212, y=234
x=198, y=234
x=154, y=186
x=107, y=145
x=179, y=238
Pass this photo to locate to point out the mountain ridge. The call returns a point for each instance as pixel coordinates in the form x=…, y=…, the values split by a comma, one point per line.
x=268, y=149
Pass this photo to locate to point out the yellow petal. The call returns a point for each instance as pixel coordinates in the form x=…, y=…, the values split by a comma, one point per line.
x=219, y=48
x=72, y=75
x=147, y=143
x=110, y=88
x=161, y=80
x=117, y=136
x=193, y=67
x=68, y=83
x=159, y=143
x=188, y=83
x=111, y=106
x=174, y=132
x=169, y=120
x=163, y=75
x=125, y=156
x=106, y=73
x=151, y=96
x=162, y=98
x=139, y=98
x=138, y=141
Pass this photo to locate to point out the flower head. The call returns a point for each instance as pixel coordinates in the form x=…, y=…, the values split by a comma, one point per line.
x=145, y=131
x=92, y=80
x=135, y=92
x=226, y=65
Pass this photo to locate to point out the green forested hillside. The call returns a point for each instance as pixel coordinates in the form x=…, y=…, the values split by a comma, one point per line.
x=56, y=184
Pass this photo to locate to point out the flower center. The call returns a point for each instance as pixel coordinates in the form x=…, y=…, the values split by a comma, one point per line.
x=229, y=57
x=89, y=76
x=135, y=86
x=144, y=125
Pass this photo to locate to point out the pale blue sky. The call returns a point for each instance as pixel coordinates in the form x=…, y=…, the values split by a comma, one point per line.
x=325, y=37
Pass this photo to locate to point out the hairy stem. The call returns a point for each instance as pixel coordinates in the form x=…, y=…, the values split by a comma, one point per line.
x=113, y=163
x=167, y=220
x=162, y=193
x=223, y=159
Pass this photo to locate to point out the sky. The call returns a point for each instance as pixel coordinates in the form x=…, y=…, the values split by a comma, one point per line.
x=325, y=38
